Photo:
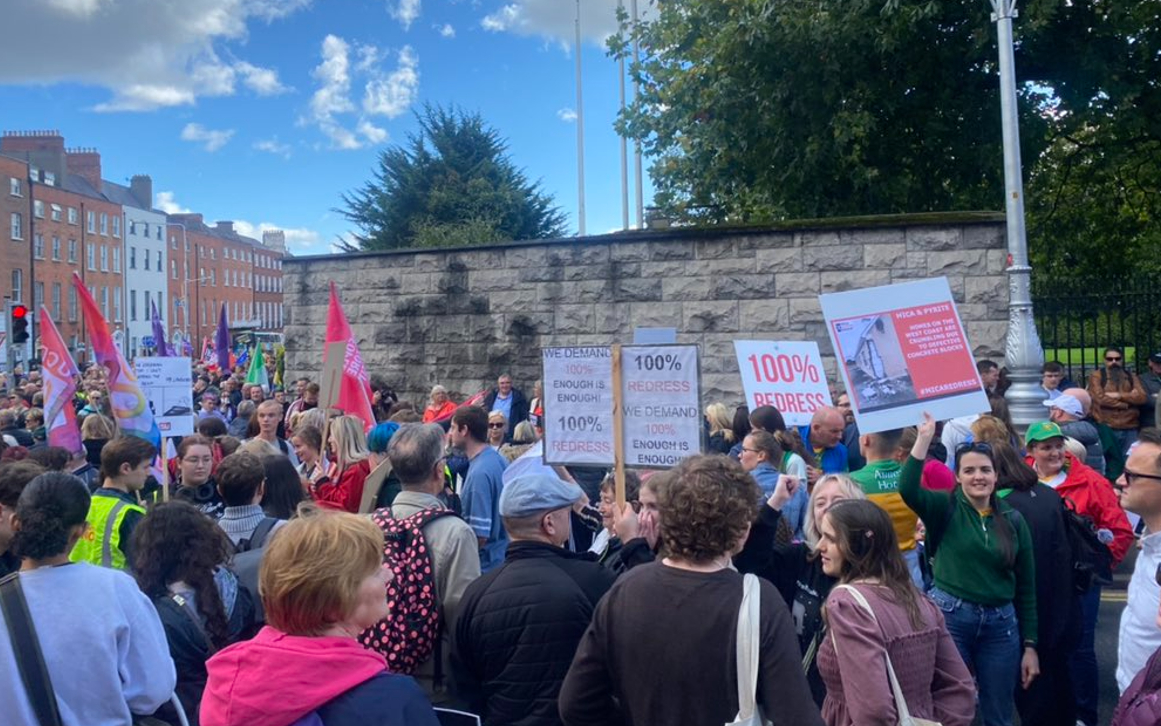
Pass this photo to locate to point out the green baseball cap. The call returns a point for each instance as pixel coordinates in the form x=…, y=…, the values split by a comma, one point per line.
x=1042, y=432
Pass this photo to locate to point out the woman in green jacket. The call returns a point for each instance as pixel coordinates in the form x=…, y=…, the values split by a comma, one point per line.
x=985, y=580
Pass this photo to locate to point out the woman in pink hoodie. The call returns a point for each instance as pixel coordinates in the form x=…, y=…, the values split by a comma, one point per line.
x=323, y=582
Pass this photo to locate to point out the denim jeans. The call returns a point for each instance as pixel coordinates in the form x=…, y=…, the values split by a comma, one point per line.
x=1083, y=663
x=988, y=640
x=911, y=557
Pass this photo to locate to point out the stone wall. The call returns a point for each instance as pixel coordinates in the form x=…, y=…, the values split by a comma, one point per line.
x=461, y=317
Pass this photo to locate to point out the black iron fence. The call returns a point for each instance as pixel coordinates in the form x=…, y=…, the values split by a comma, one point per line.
x=1078, y=318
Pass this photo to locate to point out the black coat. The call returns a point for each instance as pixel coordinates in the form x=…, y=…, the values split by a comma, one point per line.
x=518, y=629
x=519, y=409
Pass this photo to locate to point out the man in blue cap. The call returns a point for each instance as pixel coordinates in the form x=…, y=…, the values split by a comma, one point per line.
x=519, y=625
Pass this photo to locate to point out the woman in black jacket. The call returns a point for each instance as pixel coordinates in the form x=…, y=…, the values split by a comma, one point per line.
x=1049, y=700
x=180, y=564
x=794, y=568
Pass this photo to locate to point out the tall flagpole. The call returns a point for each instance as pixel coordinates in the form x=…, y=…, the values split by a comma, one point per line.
x=580, y=132
x=624, y=141
x=637, y=143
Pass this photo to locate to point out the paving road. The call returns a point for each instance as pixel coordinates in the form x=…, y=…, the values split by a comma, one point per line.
x=1112, y=603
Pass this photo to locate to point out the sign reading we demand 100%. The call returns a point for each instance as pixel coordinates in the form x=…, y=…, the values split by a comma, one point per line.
x=659, y=399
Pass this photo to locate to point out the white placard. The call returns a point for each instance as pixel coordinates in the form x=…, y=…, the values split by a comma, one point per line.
x=786, y=374
x=661, y=400
x=168, y=386
x=902, y=350
x=578, y=405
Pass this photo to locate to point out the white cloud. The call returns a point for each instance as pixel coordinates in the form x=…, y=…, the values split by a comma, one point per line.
x=299, y=237
x=166, y=203
x=371, y=132
x=149, y=54
x=567, y=115
x=273, y=146
x=392, y=95
x=213, y=140
x=263, y=81
x=405, y=11
x=384, y=94
x=446, y=31
x=556, y=19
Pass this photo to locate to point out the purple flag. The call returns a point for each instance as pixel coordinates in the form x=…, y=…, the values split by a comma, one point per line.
x=222, y=342
x=163, y=348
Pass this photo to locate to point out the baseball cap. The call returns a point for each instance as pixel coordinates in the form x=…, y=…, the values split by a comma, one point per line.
x=1066, y=403
x=1042, y=432
x=535, y=493
x=1155, y=358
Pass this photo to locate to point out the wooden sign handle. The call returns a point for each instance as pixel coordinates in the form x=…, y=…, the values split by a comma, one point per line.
x=618, y=431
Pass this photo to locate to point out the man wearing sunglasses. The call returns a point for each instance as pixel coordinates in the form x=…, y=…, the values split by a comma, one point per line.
x=1116, y=394
x=1139, y=488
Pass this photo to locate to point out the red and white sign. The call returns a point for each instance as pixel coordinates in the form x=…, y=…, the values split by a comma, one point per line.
x=902, y=350
x=786, y=374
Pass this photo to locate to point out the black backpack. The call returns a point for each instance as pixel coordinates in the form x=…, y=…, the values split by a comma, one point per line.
x=247, y=560
x=1092, y=562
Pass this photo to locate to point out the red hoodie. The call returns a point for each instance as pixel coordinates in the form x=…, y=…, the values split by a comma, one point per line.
x=276, y=679
x=1094, y=497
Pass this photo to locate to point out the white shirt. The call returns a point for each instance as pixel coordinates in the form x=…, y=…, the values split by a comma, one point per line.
x=1140, y=636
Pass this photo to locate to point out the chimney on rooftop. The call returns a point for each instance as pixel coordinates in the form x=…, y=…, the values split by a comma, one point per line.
x=42, y=149
x=141, y=187
x=225, y=226
x=189, y=219
x=85, y=162
x=274, y=239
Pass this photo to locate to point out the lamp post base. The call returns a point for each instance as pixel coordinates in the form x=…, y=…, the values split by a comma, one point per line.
x=1023, y=354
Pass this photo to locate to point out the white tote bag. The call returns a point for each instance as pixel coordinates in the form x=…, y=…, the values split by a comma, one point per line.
x=905, y=717
x=749, y=616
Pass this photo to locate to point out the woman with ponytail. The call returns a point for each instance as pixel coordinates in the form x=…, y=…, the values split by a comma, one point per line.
x=101, y=639
x=180, y=564
x=984, y=573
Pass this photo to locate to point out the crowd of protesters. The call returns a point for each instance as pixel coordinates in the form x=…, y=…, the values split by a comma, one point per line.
x=298, y=566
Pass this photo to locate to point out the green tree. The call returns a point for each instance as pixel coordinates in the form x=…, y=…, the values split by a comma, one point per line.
x=768, y=109
x=452, y=183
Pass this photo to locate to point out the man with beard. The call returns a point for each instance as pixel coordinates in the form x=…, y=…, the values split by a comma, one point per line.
x=1116, y=394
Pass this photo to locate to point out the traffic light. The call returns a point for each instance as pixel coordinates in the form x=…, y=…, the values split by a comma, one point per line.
x=19, y=323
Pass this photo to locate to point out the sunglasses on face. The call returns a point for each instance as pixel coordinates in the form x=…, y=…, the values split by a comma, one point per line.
x=495, y=425
x=1112, y=358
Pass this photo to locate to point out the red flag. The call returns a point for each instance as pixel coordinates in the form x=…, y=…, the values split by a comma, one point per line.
x=355, y=391
x=60, y=385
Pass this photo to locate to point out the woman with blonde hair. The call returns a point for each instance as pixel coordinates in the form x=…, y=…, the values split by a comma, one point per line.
x=522, y=440
x=342, y=487
x=323, y=582
x=497, y=428
x=96, y=431
x=795, y=569
x=441, y=407
x=721, y=428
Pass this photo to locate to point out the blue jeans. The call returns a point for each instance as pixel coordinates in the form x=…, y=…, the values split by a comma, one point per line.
x=988, y=640
x=911, y=557
x=1082, y=666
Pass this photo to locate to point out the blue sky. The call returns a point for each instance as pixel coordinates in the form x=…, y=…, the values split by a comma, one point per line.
x=266, y=111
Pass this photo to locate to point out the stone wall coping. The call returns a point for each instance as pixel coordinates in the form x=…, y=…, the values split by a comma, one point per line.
x=923, y=219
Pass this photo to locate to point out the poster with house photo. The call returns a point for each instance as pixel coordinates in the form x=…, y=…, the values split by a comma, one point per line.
x=902, y=350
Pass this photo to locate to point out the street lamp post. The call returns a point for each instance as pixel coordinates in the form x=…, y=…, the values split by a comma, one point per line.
x=1023, y=354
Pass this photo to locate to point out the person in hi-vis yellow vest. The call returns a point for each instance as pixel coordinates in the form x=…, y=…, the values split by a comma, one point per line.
x=114, y=512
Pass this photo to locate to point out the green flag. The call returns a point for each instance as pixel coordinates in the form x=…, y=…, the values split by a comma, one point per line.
x=257, y=374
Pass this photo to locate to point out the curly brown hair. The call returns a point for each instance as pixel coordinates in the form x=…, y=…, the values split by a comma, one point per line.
x=706, y=507
x=176, y=542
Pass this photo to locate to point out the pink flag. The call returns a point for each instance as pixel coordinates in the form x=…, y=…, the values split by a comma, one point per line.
x=60, y=385
x=355, y=391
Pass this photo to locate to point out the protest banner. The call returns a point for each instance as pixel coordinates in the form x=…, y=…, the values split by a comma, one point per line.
x=578, y=406
x=168, y=386
x=637, y=406
x=784, y=374
x=661, y=400
x=902, y=350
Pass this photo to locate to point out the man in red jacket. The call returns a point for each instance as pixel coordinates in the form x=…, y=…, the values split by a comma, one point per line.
x=1092, y=496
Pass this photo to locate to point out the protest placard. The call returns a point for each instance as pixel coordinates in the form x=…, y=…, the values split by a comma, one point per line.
x=168, y=387
x=785, y=374
x=902, y=350
x=578, y=406
x=661, y=401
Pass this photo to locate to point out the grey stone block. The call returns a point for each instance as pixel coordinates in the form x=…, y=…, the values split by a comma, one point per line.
x=779, y=259
x=820, y=238
x=743, y=287
x=885, y=255
x=710, y=317
x=574, y=319
x=832, y=258
x=934, y=238
x=797, y=283
x=687, y=288
x=957, y=262
x=769, y=315
x=671, y=250
x=843, y=281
